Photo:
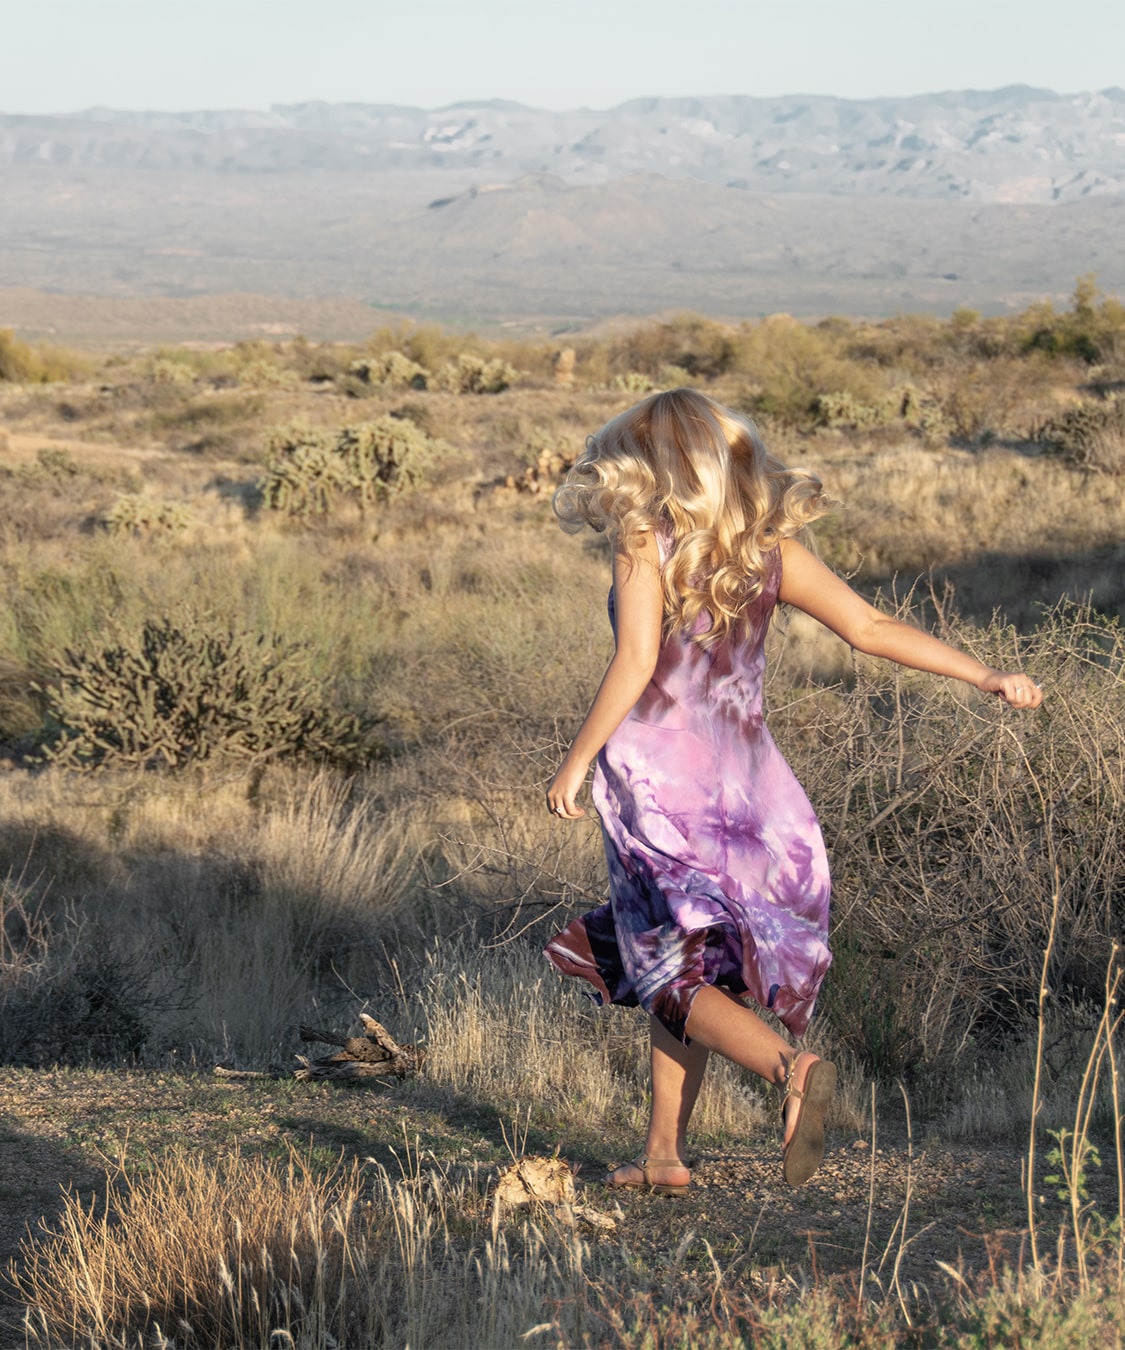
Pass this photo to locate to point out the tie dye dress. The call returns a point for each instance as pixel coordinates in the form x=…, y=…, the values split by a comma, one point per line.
x=717, y=868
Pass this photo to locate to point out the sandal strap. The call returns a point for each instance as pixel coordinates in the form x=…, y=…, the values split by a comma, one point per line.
x=787, y=1089
x=645, y=1162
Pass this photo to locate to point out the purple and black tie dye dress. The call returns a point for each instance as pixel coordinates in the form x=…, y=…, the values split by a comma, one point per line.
x=717, y=868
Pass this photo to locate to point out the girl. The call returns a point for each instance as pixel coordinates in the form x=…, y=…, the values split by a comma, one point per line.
x=718, y=876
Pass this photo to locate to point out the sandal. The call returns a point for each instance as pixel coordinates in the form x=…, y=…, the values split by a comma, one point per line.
x=801, y=1156
x=642, y=1164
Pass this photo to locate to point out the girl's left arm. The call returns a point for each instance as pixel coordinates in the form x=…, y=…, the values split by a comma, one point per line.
x=810, y=586
x=639, y=607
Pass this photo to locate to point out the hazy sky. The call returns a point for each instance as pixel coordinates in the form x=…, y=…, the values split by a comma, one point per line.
x=62, y=55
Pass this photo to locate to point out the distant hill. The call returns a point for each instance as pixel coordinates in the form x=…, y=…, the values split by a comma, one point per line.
x=1016, y=144
x=492, y=212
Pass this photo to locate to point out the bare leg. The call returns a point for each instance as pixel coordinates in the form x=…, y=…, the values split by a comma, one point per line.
x=677, y=1075
x=718, y=1021
x=722, y=1023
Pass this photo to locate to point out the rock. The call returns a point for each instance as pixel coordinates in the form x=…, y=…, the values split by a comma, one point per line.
x=534, y=1181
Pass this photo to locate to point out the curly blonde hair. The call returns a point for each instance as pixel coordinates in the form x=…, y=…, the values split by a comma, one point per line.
x=681, y=463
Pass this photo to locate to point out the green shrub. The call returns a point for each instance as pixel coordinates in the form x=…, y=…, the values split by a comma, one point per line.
x=309, y=469
x=52, y=468
x=904, y=404
x=175, y=695
x=20, y=363
x=791, y=366
x=1091, y=434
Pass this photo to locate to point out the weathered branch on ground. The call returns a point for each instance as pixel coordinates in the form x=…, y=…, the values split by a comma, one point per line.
x=375, y=1054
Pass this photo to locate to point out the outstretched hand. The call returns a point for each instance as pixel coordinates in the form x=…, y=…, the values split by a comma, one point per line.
x=1015, y=688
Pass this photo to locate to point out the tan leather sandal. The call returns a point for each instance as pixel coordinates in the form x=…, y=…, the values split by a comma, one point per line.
x=802, y=1155
x=642, y=1164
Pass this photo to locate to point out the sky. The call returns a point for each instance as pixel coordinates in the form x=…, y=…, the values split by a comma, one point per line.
x=176, y=55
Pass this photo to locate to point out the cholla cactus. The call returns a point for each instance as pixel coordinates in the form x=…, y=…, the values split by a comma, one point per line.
x=632, y=382
x=262, y=374
x=370, y=462
x=390, y=370
x=178, y=694
x=473, y=375
x=549, y=461
x=303, y=476
x=1091, y=434
x=164, y=371
x=135, y=514
x=843, y=409
x=904, y=403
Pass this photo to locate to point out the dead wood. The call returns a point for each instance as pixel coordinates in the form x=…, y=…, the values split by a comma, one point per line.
x=375, y=1054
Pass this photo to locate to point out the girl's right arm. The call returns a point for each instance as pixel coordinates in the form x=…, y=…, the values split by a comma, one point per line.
x=639, y=605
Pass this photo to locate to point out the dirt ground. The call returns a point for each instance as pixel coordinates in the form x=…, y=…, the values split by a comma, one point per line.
x=64, y=1128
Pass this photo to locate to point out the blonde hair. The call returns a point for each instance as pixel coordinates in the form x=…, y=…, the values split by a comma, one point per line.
x=681, y=463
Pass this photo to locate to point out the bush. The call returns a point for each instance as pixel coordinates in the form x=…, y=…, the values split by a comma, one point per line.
x=1091, y=434
x=309, y=469
x=21, y=363
x=842, y=409
x=174, y=696
x=791, y=366
x=955, y=823
x=700, y=348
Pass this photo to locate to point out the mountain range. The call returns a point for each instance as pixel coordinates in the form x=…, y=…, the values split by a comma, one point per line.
x=1016, y=144
x=489, y=211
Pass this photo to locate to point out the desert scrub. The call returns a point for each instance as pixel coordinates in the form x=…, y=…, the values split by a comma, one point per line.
x=209, y=422
x=700, y=348
x=175, y=695
x=954, y=826
x=309, y=469
x=1091, y=435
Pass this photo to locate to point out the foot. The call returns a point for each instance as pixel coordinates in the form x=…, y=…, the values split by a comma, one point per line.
x=662, y=1176
x=809, y=1086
